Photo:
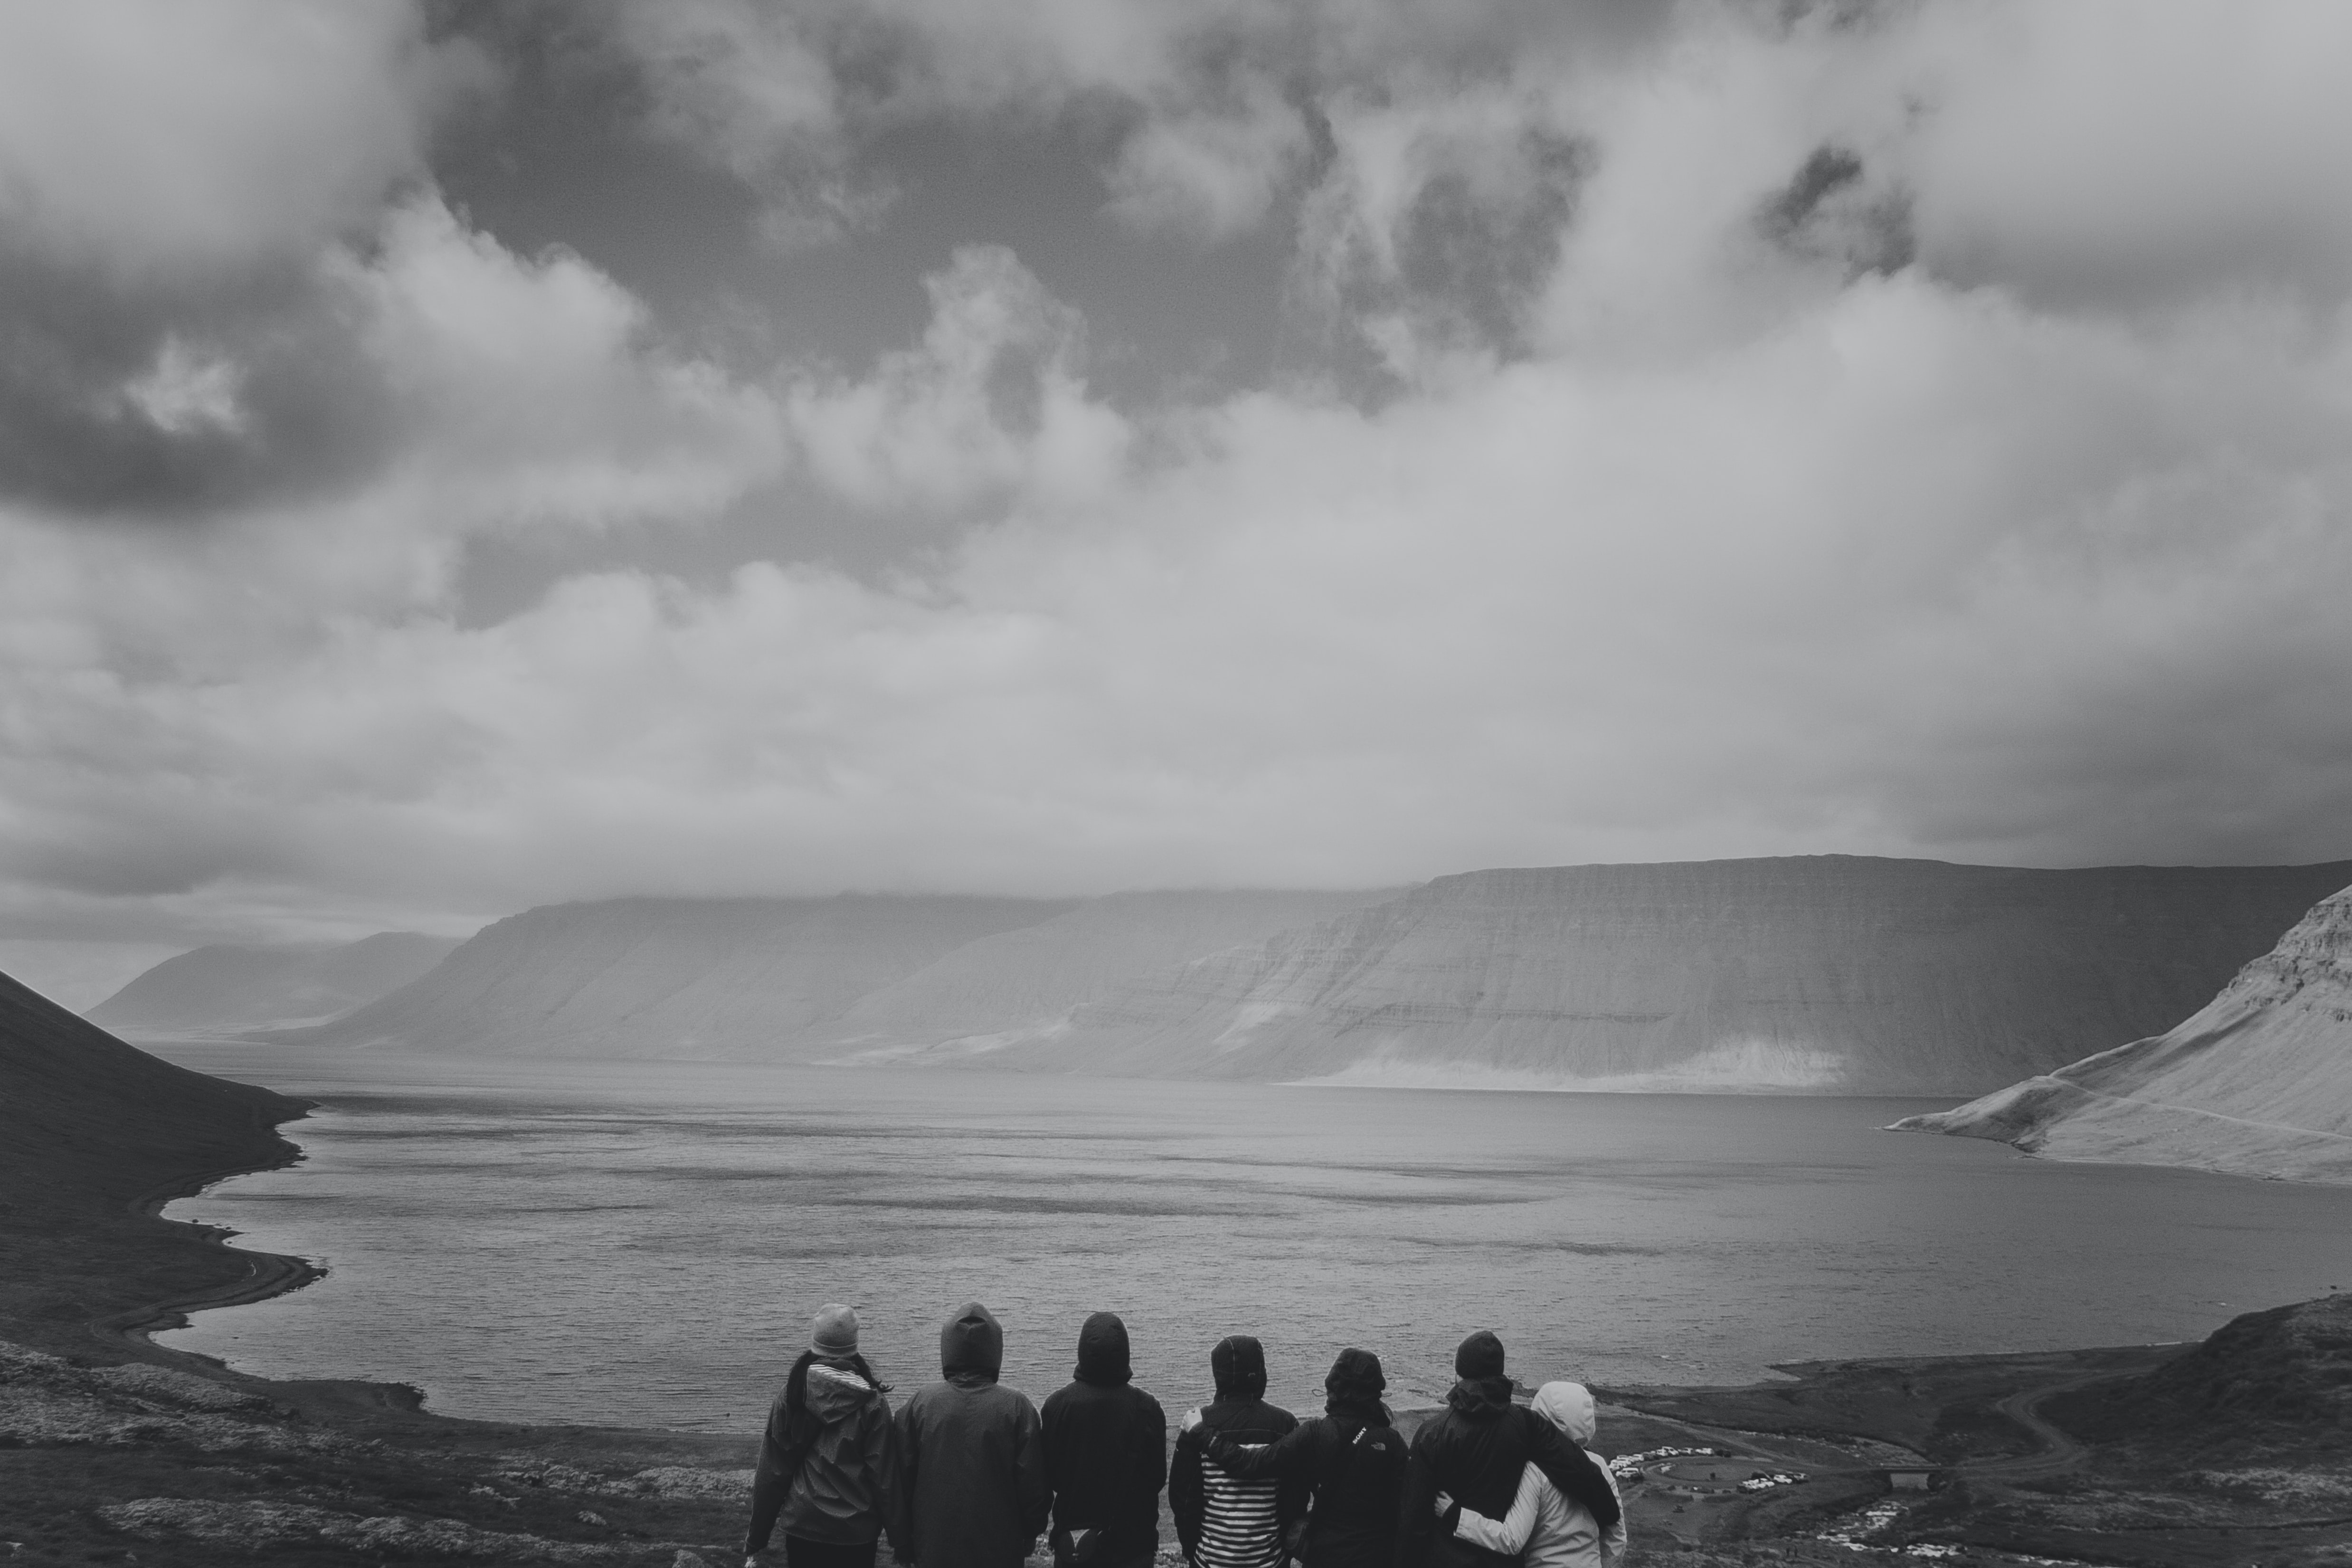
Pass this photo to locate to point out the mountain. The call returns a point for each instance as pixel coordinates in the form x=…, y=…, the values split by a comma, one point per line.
x=225, y=988
x=2264, y=1386
x=92, y=1131
x=2257, y=1082
x=1029, y=982
x=647, y=978
x=1820, y=973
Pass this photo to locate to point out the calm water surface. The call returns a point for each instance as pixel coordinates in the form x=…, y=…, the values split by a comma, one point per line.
x=641, y=1244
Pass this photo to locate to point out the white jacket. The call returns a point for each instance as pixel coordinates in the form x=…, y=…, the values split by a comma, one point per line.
x=1554, y=1531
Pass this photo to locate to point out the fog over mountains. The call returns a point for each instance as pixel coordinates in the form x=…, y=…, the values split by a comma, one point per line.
x=2257, y=1082
x=225, y=987
x=1827, y=973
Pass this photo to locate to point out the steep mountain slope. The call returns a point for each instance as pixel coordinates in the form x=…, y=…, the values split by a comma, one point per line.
x=672, y=977
x=1825, y=973
x=89, y=1127
x=1029, y=981
x=2257, y=1082
x=216, y=988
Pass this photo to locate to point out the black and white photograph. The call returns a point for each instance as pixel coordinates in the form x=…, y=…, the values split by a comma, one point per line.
x=1176, y=784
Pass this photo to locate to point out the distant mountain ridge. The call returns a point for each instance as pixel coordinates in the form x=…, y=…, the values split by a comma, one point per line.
x=224, y=988
x=2257, y=1083
x=653, y=978
x=1815, y=974
x=1824, y=974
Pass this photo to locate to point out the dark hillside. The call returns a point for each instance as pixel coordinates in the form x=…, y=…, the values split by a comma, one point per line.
x=93, y=1135
x=2261, y=1386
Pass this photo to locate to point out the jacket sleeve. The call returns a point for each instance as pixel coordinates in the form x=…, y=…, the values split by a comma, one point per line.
x=1612, y=1537
x=898, y=1520
x=1291, y=1497
x=1508, y=1534
x=1152, y=1433
x=891, y=1491
x=1571, y=1469
x=1187, y=1496
x=770, y=1484
x=1417, y=1521
x=1032, y=1491
x=1290, y=1456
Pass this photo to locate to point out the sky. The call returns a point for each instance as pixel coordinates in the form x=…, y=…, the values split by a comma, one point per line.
x=460, y=457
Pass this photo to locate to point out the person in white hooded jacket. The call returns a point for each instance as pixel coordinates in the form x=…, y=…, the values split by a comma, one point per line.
x=1551, y=1529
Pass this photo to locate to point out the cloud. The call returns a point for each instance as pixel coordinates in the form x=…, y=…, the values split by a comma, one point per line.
x=994, y=403
x=1795, y=435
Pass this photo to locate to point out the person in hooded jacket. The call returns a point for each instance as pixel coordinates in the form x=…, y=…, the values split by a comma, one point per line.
x=974, y=1457
x=828, y=1465
x=1474, y=1451
x=1544, y=1529
x=1352, y=1462
x=1224, y=1521
x=1107, y=1456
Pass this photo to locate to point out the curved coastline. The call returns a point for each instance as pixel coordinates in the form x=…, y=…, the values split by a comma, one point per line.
x=268, y=1273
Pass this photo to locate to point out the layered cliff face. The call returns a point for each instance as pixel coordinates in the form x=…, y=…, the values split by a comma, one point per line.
x=1028, y=983
x=649, y=978
x=1830, y=973
x=89, y=1126
x=224, y=988
x=2257, y=1082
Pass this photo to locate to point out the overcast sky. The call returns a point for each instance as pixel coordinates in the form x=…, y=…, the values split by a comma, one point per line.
x=456, y=458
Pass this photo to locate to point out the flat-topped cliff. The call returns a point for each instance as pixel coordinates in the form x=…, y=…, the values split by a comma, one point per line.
x=2257, y=1082
x=247, y=987
x=650, y=978
x=1823, y=973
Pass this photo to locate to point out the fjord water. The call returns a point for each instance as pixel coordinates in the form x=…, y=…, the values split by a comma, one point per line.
x=614, y=1244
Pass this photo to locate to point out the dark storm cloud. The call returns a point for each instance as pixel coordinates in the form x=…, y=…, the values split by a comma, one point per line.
x=165, y=401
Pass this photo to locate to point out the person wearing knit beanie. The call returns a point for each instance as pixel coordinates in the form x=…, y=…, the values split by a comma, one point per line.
x=833, y=1332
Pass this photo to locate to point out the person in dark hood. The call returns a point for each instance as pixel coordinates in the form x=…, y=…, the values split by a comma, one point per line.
x=1225, y=1520
x=1473, y=1450
x=974, y=1456
x=1351, y=1461
x=1107, y=1456
x=829, y=1459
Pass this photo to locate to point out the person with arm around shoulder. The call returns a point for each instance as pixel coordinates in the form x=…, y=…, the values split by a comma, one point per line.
x=828, y=1470
x=1546, y=1529
x=1350, y=1462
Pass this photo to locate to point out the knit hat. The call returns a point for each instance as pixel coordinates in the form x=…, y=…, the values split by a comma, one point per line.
x=834, y=1331
x=1238, y=1363
x=1102, y=1351
x=971, y=1342
x=1480, y=1356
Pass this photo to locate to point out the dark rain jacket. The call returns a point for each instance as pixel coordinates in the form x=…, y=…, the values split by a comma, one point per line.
x=1224, y=1521
x=1473, y=1450
x=1107, y=1449
x=974, y=1457
x=1352, y=1463
x=846, y=1491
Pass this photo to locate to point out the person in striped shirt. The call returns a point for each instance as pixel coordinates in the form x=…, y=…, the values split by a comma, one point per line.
x=1225, y=1521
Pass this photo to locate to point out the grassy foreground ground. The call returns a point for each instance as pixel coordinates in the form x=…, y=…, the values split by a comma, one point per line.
x=2237, y=1451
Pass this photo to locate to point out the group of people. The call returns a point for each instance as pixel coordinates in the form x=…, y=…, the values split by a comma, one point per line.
x=969, y=1474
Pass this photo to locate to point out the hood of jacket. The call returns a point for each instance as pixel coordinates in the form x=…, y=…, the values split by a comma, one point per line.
x=1238, y=1363
x=973, y=1342
x=1102, y=1351
x=1354, y=1385
x=1480, y=1398
x=1568, y=1406
x=837, y=1392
